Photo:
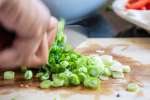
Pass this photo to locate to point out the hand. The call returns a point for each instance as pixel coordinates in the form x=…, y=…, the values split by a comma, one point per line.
x=31, y=22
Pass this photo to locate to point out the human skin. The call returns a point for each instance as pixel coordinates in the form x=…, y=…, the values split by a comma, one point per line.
x=34, y=28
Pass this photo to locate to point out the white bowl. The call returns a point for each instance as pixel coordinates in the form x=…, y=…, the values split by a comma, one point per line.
x=137, y=17
x=73, y=10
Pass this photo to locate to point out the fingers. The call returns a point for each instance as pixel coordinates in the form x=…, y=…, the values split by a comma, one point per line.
x=9, y=59
x=41, y=56
x=42, y=52
x=20, y=53
x=30, y=20
x=29, y=51
x=52, y=29
x=25, y=52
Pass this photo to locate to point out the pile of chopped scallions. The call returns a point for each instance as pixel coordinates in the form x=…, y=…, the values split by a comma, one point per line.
x=67, y=67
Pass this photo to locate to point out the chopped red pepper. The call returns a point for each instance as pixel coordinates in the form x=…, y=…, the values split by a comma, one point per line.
x=138, y=4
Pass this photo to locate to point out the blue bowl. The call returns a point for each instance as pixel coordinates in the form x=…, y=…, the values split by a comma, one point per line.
x=73, y=10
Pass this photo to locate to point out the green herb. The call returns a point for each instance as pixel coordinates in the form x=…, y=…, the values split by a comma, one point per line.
x=107, y=60
x=104, y=78
x=117, y=75
x=107, y=72
x=64, y=64
x=74, y=79
x=14, y=98
x=57, y=83
x=132, y=87
x=126, y=69
x=96, y=63
x=9, y=75
x=82, y=76
x=45, y=84
x=94, y=71
x=45, y=76
x=54, y=98
x=65, y=76
x=92, y=82
x=28, y=75
x=66, y=67
x=39, y=74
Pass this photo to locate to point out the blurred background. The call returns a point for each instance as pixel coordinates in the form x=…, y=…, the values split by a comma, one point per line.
x=92, y=19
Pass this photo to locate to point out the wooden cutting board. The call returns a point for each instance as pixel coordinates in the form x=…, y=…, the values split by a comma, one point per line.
x=131, y=51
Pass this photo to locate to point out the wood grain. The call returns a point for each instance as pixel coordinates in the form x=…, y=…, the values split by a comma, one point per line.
x=132, y=51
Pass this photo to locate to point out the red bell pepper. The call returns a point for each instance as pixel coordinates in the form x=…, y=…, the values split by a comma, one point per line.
x=137, y=4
